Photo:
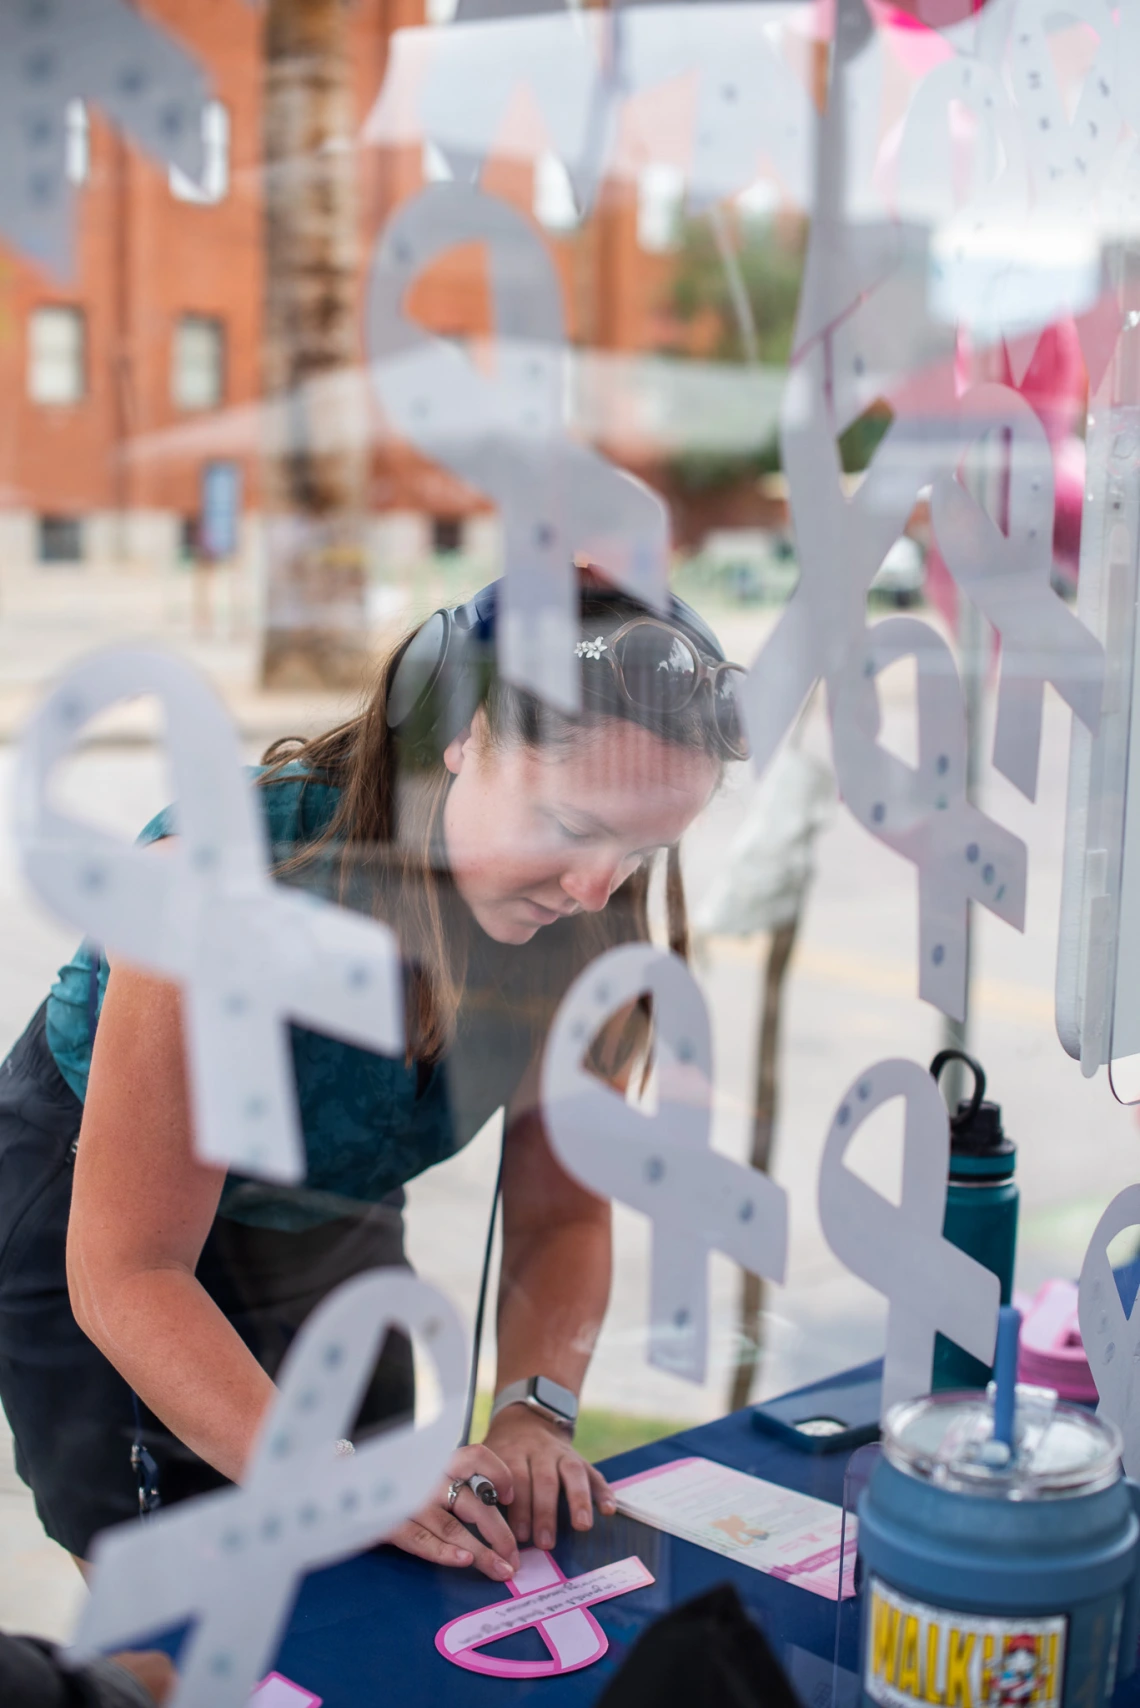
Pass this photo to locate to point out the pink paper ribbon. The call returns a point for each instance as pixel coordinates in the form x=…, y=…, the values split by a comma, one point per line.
x=571, y=1633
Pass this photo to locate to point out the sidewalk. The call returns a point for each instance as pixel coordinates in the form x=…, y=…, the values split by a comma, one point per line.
x=53, y=615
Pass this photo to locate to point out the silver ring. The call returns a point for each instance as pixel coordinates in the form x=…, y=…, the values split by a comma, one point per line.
x=453, y=1492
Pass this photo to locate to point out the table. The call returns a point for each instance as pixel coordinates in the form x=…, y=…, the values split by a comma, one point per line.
x=363, y=1633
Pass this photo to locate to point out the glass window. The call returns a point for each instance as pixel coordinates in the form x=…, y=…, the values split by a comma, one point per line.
x=660, y=192
x=197, y=379
x=554, y=204
x=56, y=355
x=60, y=539
x=215, y=179
x=78, y=131
x=187, y=539
x=446, y=535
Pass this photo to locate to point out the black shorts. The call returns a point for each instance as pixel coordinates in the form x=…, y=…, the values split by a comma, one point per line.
x=71, y=1413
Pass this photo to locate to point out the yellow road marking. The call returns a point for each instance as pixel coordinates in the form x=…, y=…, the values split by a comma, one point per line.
x=892, y=978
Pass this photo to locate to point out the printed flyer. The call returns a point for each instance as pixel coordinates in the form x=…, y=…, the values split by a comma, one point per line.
x=775, y=1530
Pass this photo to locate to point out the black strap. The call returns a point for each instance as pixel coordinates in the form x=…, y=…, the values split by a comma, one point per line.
x=482, y=1305
x=142, y=1460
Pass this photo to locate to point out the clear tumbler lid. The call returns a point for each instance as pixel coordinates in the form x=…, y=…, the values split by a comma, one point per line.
x=947, y=1440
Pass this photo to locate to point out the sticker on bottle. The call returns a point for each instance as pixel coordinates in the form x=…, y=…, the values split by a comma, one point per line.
x=916, y=1653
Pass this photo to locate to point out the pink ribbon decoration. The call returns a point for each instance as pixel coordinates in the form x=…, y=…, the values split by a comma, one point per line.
x=277, y=1691
x=545, y=1600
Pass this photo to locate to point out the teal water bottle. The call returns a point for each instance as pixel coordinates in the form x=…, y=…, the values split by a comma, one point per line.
x=981, y=1208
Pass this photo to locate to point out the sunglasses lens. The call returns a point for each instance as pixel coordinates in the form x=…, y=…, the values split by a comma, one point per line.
x=727, y=702
x=659, y=667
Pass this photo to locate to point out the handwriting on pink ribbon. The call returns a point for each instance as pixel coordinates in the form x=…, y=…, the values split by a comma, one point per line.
x=545, y=1600
x=277, y=1691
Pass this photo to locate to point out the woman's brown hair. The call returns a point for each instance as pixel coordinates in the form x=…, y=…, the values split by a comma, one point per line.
x=383, y=845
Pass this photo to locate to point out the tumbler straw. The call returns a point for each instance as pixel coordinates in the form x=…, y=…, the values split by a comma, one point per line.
x=1005, y=1373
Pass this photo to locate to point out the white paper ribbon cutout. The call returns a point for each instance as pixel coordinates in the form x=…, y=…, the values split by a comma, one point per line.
x=865, y=290
x=250, y=955
x=1070, y=158
x=841, y=544
x=750, y=107
x=931, y=144
x=663, y=1165
x=233, y=1561
x=475, y=72
x=573, y=73
x=1008, y=579
x=931, y=1287
x=984, y=271
x=851, y=247
x=1111, y=1337
x=507, y=436
x=922, y=812
x=110, y=53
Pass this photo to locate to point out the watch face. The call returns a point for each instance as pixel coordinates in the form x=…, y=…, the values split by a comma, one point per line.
x=555, y=1398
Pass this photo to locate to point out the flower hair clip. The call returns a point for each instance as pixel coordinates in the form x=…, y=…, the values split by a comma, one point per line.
x=590, y=648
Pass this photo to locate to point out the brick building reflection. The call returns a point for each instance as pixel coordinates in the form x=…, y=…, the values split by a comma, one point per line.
x=122, y=385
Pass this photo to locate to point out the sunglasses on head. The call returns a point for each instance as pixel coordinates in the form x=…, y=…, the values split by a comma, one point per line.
x=658, y=669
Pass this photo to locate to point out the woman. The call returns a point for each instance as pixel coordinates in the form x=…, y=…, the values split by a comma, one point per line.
x=146, y=1299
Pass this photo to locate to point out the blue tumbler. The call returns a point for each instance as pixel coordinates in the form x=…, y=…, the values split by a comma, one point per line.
x=981, y=1208
x=991, y=1578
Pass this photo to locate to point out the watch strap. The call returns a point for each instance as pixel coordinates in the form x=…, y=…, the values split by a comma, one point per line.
x=522, y=1393
x=515, y=1393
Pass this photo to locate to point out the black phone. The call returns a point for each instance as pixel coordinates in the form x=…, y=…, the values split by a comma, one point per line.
x=829, y=1417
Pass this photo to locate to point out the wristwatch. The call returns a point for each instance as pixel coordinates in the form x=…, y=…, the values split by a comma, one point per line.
x=549, y=1399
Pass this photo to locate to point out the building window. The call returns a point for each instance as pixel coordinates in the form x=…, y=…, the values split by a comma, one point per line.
x=197, y=377
x=187, y=539
x=215, y=179
x=78, y=133
x=446, y=535
x=56, y=355
x=554, y=204
x=60, y=539
x=660, y=195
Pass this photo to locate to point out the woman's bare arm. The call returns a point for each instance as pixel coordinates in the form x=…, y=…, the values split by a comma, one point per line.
x=142, y=1206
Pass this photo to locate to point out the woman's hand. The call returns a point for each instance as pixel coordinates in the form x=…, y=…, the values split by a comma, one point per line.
x=436, y=1534
x=542, y=1461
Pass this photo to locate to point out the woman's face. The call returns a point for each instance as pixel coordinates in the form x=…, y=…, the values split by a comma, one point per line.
x=534, y=834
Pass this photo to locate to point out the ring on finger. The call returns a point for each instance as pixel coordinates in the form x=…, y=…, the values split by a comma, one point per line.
x=456, y=1484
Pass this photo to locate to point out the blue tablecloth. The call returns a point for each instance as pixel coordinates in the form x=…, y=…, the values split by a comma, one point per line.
x=363, y=1633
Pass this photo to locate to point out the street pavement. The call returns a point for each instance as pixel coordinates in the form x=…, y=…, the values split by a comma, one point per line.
x=850, y=1002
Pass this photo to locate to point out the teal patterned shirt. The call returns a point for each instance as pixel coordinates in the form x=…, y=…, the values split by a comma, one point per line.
x=370, y=1122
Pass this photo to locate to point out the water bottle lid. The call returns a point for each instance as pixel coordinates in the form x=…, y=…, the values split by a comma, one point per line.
x=1059, y=1450
x=978, y=1145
